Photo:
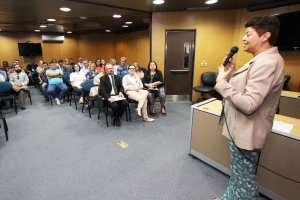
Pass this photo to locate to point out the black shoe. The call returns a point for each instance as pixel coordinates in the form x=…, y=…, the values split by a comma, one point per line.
x=46, y=100
x=118, y=122
x=23, y=108
x=113, y=121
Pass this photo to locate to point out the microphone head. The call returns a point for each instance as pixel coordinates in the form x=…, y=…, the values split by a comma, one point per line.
x=234, y=50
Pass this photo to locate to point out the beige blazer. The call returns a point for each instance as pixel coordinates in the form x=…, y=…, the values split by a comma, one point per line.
x=252, y=98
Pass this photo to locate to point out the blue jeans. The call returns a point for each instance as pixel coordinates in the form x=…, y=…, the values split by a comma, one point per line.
x=44, y=90
x=63, y=89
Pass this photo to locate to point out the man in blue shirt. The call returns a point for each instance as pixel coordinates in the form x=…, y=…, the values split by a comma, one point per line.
x=55, y=81
x=123, y=68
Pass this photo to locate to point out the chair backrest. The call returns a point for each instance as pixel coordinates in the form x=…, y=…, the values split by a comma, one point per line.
x=209, y=79
x=286, y=80
x=86, y=85
x=143, y=69
x=66, y=78
x=5, y=87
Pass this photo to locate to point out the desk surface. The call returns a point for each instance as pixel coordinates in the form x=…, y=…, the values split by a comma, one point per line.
x=215, y=107
x=290, y=94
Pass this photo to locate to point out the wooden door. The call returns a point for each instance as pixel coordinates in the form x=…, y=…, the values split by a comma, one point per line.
x=179, y=64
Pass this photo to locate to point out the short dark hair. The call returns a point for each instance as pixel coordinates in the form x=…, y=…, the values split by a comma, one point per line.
x=265, y=24
x=60, y=60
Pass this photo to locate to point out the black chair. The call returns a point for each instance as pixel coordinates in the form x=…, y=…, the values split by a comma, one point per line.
x=286, y=80
x=208, y=80
x=102, y=107
x=4, y=125
x=6, y=94
x=66, y=80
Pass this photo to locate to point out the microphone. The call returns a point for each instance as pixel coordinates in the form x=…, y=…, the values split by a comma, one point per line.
x=233, y=51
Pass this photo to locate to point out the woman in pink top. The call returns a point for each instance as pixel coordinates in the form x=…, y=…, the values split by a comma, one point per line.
x=138, y=70
x=134, y=88
x=99, y=67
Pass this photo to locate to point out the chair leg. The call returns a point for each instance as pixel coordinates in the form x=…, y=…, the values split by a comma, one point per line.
x=89, y=109
x=75, y=102
x=29, y=96
x=129, y=113
x=106, y=118
x=50, y=99
x=15, y=104
x=5, y=126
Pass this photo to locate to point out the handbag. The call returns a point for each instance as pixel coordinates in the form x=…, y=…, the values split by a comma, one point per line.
x=94, y=91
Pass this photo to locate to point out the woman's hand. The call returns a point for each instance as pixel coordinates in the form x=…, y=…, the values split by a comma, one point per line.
x=222, y=74
x=137, y=89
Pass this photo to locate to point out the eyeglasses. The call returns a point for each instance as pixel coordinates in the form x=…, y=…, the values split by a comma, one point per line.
x=18, y=77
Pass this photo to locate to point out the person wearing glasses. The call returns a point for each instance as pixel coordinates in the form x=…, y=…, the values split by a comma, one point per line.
x=133, y=87
x=154, y=81
x=111, y=90
x=19, y=81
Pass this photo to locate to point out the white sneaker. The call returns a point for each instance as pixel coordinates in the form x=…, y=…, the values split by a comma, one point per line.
x=57, y=101
x=61, y=101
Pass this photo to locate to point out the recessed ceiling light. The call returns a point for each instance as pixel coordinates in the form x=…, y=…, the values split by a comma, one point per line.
x=128, y=22
x=158, y=1
x=43, y=26
x=211, y=1
x=124, y=26
x=83, y=17
x=51, y=20
x=37, y=30
x=65, y=9
x=107, y=30
x=117, y=16
x=69, y=32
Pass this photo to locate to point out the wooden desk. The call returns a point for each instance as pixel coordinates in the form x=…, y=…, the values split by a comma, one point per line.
x=290, y=104
x=281, y=152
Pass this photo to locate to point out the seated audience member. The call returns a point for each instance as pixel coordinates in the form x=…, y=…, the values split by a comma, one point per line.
x=71, y=61
x=5, y=66
x=67, y=66
x=113, y=63
x=99, y=67
x=12, y=65
x=44, y=82
x=92, y=72
x=2, y=79
x=138, y=70
x=55, y=80
x=134, y=88
x=85, y=67
x=39, y=70
x=154, y=81
x=76, y=79
x=19, y=81
x=80, y=63
x=110, y=85
x=122, y=70
x=40, y=67
x=97, y=78
x=31, y=71
x=61, y=64
x=12, y=70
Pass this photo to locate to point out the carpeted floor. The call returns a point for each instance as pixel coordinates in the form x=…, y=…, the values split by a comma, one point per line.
x=58, y=153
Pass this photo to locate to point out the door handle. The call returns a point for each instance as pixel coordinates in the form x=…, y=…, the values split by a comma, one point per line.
x=180, y=70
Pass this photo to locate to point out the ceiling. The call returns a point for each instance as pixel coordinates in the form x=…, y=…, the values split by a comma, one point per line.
x=28, y=15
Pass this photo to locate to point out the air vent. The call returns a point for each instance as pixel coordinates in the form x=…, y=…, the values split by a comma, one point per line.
x=146, y=21
x=197, y=9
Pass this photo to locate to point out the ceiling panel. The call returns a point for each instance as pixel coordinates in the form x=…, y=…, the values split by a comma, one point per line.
x=26, y=16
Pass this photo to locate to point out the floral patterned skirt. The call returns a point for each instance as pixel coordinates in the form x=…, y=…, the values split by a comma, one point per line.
x=242, y=184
